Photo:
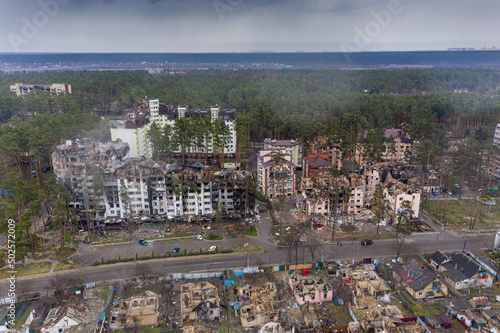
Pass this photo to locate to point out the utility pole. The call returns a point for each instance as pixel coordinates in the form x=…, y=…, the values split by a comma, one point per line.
x=465, y=242
x=352, y=240
x=248, y=256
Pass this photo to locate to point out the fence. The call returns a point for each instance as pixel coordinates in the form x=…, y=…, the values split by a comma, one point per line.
x=420, y=320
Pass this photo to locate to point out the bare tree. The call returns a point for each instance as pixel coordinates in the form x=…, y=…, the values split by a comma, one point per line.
x=313, y=244
x=142, y=270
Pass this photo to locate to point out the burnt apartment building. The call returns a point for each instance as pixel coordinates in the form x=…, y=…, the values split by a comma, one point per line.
x=77, y=163
x=142, y=187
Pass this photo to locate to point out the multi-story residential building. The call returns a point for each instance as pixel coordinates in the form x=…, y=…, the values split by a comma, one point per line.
x=396, y=193
x=309, y=203
x=396, y=152
x=316, y=165
x=133, y=130
x=322, y=145
x=373, y=175
x=292, y=147
x=397, y=148
x=163, y=114
x=356, y=199
x=275, y=180
x=54, y=88
x=496, y=137
x=140, y=187
x=76, y=164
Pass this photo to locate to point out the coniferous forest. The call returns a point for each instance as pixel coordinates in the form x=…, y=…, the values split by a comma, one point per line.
x=434, y=106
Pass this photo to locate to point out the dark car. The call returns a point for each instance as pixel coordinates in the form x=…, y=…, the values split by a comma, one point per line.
x=143, y=242
x=176, y=250
x=365, y=242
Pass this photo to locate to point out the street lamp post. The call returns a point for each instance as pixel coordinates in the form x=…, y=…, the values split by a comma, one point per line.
x=352, y=240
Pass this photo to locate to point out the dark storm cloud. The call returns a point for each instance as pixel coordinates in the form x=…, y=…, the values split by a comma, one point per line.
x=245, y=25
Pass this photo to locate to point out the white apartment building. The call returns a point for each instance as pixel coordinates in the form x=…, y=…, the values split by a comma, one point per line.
x=163, y=114
x=55, y=88
x=396, y=194
x=134, y=132
x=292, y=147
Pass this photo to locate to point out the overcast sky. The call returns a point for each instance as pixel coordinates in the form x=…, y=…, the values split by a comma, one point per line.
x=246, y=25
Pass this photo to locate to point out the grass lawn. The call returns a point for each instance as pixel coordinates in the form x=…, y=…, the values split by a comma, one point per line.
x=43, y=256
x=105, y=293
x=31, y=269
x=460, y=213
x=64, y=266
x=250, y=248
x=112, y=242
x=392, y=235
x=179, y=236
x=211, y=236
x=425, y=310
x=252, y=231
x=68, y=251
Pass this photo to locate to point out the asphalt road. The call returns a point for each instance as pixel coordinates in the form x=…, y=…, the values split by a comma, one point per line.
x=420, y=243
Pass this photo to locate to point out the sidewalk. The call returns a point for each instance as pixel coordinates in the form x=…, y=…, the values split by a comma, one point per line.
x=28, y=261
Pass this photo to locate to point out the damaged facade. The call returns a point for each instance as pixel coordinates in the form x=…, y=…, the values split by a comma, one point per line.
x=310, y=289
x=142, y=187
x=256, y=305
x=199, y=302
x=135, y=311
x=275, y=180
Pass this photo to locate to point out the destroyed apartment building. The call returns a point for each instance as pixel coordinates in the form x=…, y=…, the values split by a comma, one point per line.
x=142, y=187
x=256, y=305
x=199, y=302
x=135, y=311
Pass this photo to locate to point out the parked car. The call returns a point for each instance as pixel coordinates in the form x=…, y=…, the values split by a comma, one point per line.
x=365, y=242
x=306, y=271
x=199, y=237
x=454, y=192
x=318, y=225
x=176, y=250
x=143, y=242
x=212, y=248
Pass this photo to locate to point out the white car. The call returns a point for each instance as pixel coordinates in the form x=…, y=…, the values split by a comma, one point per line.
x=199, y=237
x=212, y=248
